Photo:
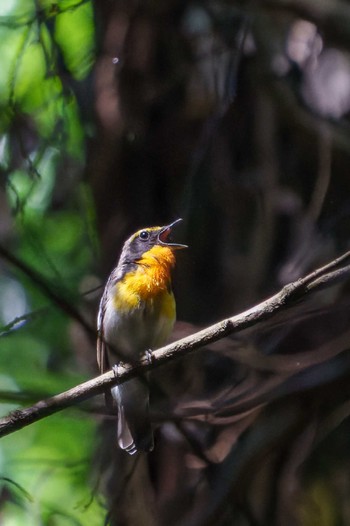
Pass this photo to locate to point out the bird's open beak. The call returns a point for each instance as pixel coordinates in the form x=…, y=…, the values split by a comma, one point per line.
x=164, y=236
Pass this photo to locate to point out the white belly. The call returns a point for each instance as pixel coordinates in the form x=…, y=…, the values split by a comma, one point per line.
x=135, y=332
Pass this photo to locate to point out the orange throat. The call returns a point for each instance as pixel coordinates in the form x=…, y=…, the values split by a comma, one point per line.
x=155, y=268
x=151, y=278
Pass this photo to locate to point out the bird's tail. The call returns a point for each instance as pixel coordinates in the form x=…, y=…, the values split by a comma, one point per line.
x=134, y=426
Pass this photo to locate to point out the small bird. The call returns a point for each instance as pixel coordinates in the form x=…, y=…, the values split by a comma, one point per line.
x=137, y=313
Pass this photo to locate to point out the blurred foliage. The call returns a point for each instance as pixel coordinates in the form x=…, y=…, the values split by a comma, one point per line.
x=47, y=220
x=234, y=116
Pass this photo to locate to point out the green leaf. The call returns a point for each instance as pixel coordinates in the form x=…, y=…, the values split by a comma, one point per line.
x=74, y=33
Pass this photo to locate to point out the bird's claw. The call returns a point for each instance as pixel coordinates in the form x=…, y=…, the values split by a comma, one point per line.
x=149, y=356
x=115, y=369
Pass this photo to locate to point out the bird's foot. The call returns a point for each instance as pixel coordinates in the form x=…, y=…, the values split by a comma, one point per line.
x=149, y=356
x=115, y=369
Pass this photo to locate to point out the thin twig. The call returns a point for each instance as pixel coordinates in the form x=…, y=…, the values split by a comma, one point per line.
x=53, y=293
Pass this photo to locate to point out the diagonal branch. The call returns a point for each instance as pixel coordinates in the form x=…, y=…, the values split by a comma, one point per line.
x=285, y=298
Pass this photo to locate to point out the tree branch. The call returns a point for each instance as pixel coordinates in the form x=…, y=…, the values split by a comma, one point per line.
x=288, y=296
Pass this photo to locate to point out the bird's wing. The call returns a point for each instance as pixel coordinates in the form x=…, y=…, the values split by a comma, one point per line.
x=102, y=346
x=102, y=355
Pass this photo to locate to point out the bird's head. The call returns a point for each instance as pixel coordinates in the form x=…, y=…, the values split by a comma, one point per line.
x=155, y=242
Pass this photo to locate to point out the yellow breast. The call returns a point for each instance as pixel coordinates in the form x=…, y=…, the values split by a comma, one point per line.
x=149, y=284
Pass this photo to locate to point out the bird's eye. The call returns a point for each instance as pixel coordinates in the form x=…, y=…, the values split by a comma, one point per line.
x=144, y=235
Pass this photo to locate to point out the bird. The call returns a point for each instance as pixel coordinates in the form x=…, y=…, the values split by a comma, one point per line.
x=136, y=315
